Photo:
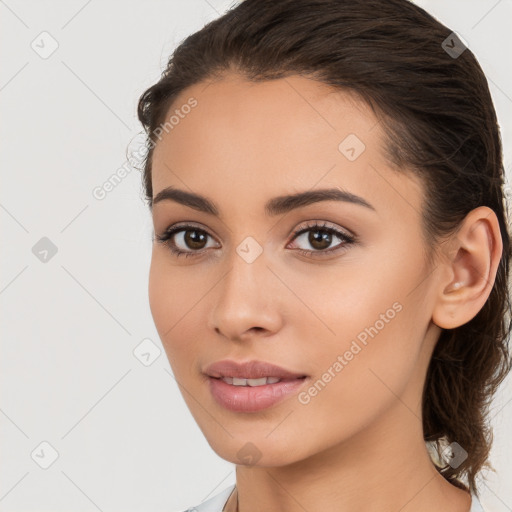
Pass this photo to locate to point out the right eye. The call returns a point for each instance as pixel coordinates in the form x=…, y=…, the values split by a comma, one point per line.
x=185, y=240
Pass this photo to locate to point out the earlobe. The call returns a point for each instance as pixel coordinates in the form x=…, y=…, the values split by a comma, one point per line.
x=470, y=270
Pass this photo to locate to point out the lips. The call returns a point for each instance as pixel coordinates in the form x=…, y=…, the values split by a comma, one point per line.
x=253, y=399
x=252, y=386
x=249, y=371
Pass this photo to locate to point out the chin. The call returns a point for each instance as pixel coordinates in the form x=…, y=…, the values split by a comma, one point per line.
x=262, y=452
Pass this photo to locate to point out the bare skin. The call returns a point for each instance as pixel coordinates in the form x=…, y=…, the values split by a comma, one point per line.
x=357, y=445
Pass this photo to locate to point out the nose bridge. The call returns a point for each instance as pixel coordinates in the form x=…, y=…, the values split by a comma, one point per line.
x=247, y=264
x=244, y=299
x=242, y=283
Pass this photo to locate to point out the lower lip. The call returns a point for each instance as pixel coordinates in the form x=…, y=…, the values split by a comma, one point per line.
x=252, y=398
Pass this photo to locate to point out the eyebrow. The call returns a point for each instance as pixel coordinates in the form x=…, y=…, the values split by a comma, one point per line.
x=275, y=206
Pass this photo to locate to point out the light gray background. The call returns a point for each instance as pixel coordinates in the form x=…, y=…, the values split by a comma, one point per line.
x=124, y=437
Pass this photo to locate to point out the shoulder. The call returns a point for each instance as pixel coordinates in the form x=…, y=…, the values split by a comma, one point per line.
x=216, y=503
x=476, y=506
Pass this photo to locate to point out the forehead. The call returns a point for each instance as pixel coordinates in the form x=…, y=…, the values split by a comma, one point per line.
x=268, y=138
x=292, y=115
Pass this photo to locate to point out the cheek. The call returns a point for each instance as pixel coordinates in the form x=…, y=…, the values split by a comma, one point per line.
x=171, y=299
x=173, y=291
x=161, y=299
x=374, y=324
x=354, y=381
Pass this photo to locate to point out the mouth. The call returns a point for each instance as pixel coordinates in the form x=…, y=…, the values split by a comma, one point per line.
x=251, y=386
x=236, y=381
x=250, y=373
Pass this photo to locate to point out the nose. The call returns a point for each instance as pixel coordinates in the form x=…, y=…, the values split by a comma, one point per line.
x=246, y=301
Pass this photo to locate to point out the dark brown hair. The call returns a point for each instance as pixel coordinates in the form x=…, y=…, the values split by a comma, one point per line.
x=440, y=123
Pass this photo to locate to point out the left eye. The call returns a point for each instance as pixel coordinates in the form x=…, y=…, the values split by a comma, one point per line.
x=320, y=237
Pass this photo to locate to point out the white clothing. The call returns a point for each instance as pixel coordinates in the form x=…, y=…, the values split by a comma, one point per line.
x=216, y=503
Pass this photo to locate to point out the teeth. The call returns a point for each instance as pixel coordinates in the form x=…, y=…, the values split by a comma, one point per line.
x=235, y=381
x=257, y=382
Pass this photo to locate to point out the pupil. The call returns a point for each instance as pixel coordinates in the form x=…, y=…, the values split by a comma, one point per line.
x=320, y=239
x=195, y=239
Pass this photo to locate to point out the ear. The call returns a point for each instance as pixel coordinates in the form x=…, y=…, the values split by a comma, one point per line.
x=468, y=269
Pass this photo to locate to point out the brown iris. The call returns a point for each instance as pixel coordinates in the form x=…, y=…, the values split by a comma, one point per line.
x=195, y=239
x=320, y=239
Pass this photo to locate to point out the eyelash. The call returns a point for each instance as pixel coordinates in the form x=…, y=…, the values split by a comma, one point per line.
x=166, y=239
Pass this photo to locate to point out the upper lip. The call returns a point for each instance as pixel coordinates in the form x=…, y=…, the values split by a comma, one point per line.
x=249, y=370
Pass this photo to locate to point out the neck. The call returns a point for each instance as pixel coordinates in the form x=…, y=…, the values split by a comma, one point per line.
x=383, y=468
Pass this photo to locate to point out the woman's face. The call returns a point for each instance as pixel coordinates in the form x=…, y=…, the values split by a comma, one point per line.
x=354, y=317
